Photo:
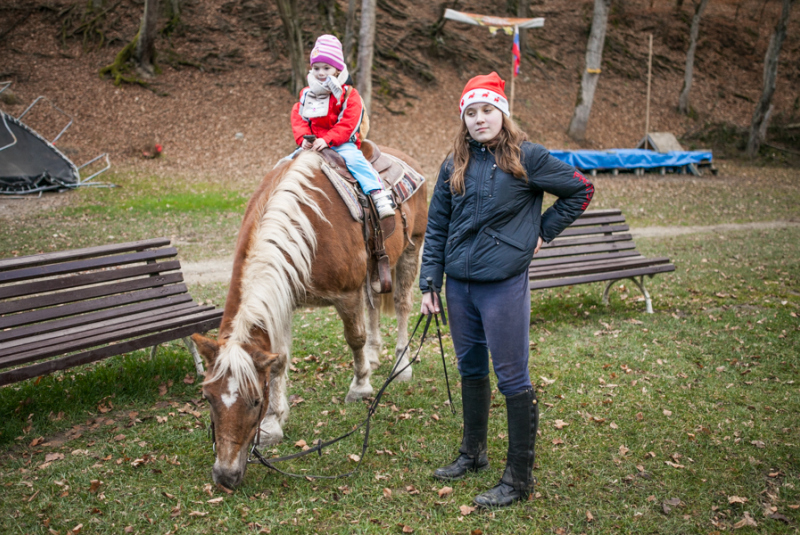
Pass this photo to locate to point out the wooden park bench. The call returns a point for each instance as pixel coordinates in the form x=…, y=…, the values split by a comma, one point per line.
x=88, y=304
x=596, y=247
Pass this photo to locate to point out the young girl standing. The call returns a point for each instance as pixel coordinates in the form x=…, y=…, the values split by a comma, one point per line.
x=332, y=111
x=484, y=226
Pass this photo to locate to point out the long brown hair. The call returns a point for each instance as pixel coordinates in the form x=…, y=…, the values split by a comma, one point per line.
x=506, y=148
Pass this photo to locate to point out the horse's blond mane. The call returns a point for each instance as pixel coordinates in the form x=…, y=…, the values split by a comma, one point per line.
x=276, y=270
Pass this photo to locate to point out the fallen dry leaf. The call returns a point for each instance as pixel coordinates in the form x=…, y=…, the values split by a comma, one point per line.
x=547, y=381
x=168, y=495
x=50, y=457
x=36, y=441
x=189, y=379
x=162, y=389
x=746, y=521
x=215, y=500
x=560, y=424
x=354, y=457
x=408, y=529
x=758, y=444
x=77, y=529
x=639, y=416
x=557, y=441
x=667, y=412
x=465, y=509
x=589, y=516
x=623, y=451
x=94, y=485
x=737, y=499
x=445, y=491
x=387, y=493
x=137, y=462
x=128, y=529
x=119, y=438
x=301, y=444
x=198, y=513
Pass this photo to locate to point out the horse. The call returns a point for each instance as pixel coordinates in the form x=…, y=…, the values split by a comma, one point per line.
x=298, y=246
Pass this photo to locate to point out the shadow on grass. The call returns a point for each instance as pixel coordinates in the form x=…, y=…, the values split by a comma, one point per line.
x=55, y=402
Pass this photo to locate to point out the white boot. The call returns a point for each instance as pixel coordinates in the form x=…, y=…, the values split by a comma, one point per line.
x=383, y=203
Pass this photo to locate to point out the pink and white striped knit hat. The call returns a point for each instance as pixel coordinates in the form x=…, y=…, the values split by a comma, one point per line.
x=328, y=50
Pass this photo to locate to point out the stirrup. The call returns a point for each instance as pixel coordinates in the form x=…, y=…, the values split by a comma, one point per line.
x=383, y=203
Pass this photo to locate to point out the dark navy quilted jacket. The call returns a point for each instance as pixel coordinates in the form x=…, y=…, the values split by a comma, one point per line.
x=489, y=233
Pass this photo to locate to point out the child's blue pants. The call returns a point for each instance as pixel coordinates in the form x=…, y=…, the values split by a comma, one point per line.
x=492, y=316
x=359, y=167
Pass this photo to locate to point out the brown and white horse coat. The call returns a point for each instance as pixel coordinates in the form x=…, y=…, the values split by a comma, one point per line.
x=298, y=246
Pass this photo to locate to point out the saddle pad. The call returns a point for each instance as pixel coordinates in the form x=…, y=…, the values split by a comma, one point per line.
x=406, y=184
x=346, y=191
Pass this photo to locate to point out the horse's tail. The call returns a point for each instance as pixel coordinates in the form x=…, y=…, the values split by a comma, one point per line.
x=387, y=299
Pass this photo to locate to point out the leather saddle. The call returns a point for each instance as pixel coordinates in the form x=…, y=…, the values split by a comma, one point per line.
x=376, y=230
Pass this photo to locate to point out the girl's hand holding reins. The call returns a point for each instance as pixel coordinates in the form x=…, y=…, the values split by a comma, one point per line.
x=305, y=145
x=319, y=144
x=430, y=304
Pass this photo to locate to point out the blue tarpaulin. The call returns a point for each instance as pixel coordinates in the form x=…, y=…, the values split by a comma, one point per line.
x=630, y=158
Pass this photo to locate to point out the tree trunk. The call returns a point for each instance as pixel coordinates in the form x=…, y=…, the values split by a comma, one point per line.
x=349, y=34
x=522, y=13
x=683, y=101
x=591, y=75
x=144, y=56
x=366, y=45
x=294, y=38
x=760, y=115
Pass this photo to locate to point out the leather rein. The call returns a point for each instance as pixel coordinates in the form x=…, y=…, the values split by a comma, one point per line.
x=256, y=456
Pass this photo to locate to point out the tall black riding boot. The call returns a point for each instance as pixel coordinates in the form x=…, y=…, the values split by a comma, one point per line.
x=517, y=481
x=476, y=396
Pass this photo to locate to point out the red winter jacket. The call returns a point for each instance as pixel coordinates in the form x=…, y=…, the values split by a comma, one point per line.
x=339, y=126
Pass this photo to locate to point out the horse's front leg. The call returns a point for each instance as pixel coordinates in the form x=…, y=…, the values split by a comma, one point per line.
x=351, y=309
x=278, y=409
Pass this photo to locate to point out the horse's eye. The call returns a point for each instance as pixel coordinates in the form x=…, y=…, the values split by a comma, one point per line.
x=256, y=403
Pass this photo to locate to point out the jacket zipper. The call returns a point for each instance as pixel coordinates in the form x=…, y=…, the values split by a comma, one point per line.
x=479, y=192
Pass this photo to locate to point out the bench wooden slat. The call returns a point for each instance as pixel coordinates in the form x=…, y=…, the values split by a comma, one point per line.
x=83, y=294
x=86, y=357
x=583, y=231
x=595, y=267
x=587, y=240
x=85, y=264
x=183, y=299
x=45, y=314
x=23, y=358
x=559, y=260
x=63, y=338
x=603, y=212
x=583, y=279
x=85, y=279
x=605, y=220
x=76, y=254
x=586, y=249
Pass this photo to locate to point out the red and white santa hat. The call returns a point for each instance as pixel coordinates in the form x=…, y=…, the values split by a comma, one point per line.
x=487, y=88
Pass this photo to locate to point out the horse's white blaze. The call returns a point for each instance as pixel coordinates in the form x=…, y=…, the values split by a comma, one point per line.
x=276, y=271
x=233, y=393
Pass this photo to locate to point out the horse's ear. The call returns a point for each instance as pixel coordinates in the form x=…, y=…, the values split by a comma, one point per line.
x=208, y=348
x=264, y=361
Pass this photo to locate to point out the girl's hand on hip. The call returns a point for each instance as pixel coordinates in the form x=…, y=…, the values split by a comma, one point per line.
x=538, y=245
x=319, y=144
x=430, y=304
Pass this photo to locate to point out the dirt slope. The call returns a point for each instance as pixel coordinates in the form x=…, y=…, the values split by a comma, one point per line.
x=224, y=65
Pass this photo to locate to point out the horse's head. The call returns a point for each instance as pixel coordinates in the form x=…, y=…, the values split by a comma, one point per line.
x=237, y=390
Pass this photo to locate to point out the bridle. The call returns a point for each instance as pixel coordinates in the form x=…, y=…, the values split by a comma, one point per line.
x=256, y=456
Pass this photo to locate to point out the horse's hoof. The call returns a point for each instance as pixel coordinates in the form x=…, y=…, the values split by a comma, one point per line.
x=404, y=376
x=357, y=394
x=270, y=433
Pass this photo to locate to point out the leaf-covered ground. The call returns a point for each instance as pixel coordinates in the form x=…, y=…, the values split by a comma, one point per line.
x=683, y=421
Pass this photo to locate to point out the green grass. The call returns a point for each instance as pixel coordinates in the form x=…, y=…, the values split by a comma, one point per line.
x=709, y=383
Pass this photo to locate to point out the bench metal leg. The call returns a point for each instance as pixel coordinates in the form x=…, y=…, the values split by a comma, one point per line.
x=198, y=362
x=153, y=351
x=605, y=292
x=640, y=283
x=647, y=301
